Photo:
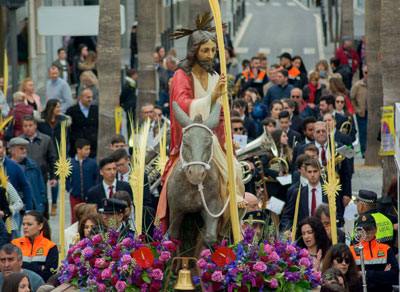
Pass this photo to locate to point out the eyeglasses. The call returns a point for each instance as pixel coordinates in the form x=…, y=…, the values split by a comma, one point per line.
x=295, y=96
x=320, y=131
x=365, y=73
x=339, y=101
x=238, y=129
x=340, y=260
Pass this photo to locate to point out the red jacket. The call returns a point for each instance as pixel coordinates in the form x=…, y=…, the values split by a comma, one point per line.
x=341, y=54
x=19, y=111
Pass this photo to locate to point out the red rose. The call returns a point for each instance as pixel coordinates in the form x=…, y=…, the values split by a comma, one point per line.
x=98, y=252
x=171, y=247
x=264, y=259
x=272, y=272
x=155, y=287
x=176, y=241
x=159, y=265
x=92, y=261
x=114, y=280
x=113, y=241
x=217, y=286
x=142, y=236
x=139, y=282
x=259, y=282
x=106, y=265
x=243, y=289
x=156, y=243
x=206, y=277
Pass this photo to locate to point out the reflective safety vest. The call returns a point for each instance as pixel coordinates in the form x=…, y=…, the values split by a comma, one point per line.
x=249, y=75
x=375, y=253
x=34, y=253
x=384, y=226
x=293, y=72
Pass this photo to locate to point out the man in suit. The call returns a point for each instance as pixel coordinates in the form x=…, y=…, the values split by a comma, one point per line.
x=284, y=123
x=85, y=122
x=109, y=186
x=122, y=162
x=327, y=105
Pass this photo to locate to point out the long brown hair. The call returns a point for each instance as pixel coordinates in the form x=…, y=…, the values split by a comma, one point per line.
x=95, y=218
x=287, y=151
x=50, y=106
x=11, y=283
x=337, y=86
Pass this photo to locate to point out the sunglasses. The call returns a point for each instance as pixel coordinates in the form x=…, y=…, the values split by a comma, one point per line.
x=339, y=101
x=365, y=73
x=238, y=129
x=340, y=260
x=295, y=96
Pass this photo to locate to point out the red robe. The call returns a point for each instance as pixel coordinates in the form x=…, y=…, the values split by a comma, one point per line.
x=182, y=92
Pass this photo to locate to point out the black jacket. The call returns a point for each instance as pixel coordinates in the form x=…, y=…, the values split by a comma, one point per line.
x=346, y=73
x=251, y=128
x=127, y=98
x=293, y=137
x=296, y=124
x=82, y=127
x=97, y=194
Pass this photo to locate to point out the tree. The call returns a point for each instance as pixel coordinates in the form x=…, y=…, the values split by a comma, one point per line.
x=347, y=25
x=390, y=42
x=146, y=40
x=375, y=93
x=109, y=70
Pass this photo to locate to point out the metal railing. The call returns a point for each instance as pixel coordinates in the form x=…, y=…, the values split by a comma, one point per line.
x=238, y=17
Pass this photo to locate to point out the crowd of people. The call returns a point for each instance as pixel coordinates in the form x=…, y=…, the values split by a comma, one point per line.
x=297, y=109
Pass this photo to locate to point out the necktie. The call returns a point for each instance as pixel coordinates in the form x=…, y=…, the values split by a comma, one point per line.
x=323, y=156
x=111, y=191
x=122, y=178
x=313, y=201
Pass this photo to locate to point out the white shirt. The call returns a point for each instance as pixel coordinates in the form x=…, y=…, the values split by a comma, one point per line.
x=318, y=196
x=107, y=188
x=319, y=146
x=125, y=177
x=303, y=181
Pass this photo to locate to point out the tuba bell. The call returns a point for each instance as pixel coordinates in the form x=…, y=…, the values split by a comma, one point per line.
x=346, y=127
x=259, y=146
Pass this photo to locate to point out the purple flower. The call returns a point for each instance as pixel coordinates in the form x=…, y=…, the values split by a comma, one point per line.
x=273, y=284
x=83, y=243
x=248, y=235
x=87, y=252
x=120, y=286
x=205, y=253
x=259, y=267
x=101, y=287
x=99, y=263
x=71, y=269
x=217, y=276
x=77, y=260
x=273, y=256
x=290, y=249
x=157, y=274
x=316, y=275
x=165, y=256
x=305, y=262
x=126, y=259
x=268, y=248
x=143, y=288
x=106, y=274
x=202, y=263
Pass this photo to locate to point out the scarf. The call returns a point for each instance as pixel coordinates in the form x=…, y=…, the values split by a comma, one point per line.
x=313, y=90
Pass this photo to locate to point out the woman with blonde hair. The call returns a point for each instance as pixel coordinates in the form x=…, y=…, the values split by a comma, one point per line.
x=90, y=63
x=27, y=86
x=89, y=80
x=322, y=68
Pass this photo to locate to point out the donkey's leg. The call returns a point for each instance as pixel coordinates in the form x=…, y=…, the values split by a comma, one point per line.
x=210, y=222
x=176, y=218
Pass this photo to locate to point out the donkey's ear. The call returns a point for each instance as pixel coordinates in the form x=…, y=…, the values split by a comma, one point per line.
x=213, y=119
x=180, y=115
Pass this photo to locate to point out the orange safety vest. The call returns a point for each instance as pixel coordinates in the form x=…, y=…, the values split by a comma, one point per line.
x=248, y=75
x=34, y=253
x=375, y=253
x=293, y=72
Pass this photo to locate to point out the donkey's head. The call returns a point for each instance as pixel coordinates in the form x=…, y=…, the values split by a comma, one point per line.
x=197, y=142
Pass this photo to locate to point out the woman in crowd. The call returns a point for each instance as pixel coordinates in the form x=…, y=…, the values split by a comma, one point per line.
x=31, y=98
x=4, y=107
x=311, y=234
x=78, y=59
x=322, y=68
x=163, y=98
x=292, y=107
x=275, y=108
x=341, y=106
x=322, y=213
x=16, y=282
x=86, y=224
x=160, y=50
x=299, y=64
x=339, y=256
x=259, y=111
x=49, y=123
x=39, y=252
x=336, y=86
x=89, y=80
x=333, y=275
x=313, y=90
x=90, y=63
x=281, y=141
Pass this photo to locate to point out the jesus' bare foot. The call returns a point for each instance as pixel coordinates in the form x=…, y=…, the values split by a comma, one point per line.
x=242, y=204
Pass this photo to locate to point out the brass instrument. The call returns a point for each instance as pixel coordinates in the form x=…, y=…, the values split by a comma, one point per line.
x=279, y=164
x=246, y=171
x=346, y=127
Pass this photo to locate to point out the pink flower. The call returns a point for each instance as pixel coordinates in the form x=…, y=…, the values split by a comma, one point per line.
x=106, y=274
x=259, y=267
x=125, y=268
x=77, y=260
x=157, y=274
x=126, y=242
x=165, y=256
x=126, y=259
x=305, y=262
x=120, y=286
x=82, y=244
x=304, y=253
x=96, y=239
x=71, y=269
x=273, y=284
x=101, y=287
x=202, y=263
x=217, y=276
x=273, y=256
x=268, y=248
x=143, y=288
x=87, y=252
x=99, y=263
x=317, y=275
x=290, y=249
x=205, y=253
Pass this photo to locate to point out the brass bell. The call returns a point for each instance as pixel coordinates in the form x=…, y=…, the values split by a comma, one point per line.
x=184, y=280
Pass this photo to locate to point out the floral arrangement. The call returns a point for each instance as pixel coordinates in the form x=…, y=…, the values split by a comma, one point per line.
x=106, y=262
x=273, y=265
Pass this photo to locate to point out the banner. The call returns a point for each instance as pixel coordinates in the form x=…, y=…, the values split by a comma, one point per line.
x=387, y=132
x=118, y=120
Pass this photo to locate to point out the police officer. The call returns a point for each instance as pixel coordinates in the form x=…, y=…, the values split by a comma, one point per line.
x=113, y=212
x=366, y=204
x=382, y=269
